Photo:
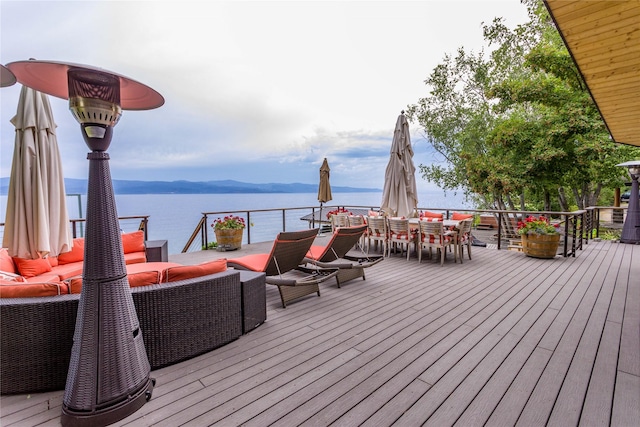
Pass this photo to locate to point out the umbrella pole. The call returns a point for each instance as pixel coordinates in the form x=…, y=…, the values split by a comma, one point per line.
x=320, y=221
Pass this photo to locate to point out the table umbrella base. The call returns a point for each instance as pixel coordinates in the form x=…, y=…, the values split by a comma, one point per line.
x=115, y=411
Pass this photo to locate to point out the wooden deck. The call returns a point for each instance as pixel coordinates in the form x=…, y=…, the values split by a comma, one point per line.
x=500, y=340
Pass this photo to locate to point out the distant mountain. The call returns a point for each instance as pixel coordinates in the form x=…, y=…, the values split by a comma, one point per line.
x=74, y=186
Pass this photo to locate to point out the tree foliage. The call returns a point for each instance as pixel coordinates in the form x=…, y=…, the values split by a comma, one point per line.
x=519, y=124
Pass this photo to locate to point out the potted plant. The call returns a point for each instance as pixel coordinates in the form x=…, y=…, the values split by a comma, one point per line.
x=540, y=239
x=228, y=232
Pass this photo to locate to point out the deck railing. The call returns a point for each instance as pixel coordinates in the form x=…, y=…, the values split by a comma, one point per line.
x=261, y=224
x=577, y=227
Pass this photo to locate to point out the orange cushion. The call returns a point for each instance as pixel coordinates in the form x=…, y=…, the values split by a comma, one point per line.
x=32, y=267
x=53, y=260
x=428, y=214
x=183, y=272
x=156, y=267
x=135, y=258
x=140, y=274
x=459, y=217
x=6, y=262
x=253, y=262
x=43, y=278
x=75, y=285
x=33, y=290
x=143, y=278
x=75, y=254
x=315, y=252
x=133, y=242
x=68, y=270
x=215, y=266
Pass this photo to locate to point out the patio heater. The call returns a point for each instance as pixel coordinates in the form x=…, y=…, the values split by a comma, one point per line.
x=6, y=77
x=109, y=373
x=631, y=227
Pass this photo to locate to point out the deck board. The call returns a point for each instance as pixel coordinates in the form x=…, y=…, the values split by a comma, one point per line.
x=502, y=339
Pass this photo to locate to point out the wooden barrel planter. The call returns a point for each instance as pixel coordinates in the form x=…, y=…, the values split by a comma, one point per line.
x=540, y=245
x=229, y=239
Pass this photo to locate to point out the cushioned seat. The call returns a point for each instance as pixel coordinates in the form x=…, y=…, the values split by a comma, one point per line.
x=335, y=254
x=282, y=265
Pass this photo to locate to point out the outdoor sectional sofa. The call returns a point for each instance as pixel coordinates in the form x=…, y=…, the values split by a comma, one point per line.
x=179, y=320
x=187, y=310
x=52, y=275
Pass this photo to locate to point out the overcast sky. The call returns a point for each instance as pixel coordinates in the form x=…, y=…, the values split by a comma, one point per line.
x=255, y=91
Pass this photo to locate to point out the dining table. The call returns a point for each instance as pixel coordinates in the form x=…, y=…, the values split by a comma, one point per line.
x=450, y=224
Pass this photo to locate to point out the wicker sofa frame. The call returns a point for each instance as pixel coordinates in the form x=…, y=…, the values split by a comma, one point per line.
x=178, y=320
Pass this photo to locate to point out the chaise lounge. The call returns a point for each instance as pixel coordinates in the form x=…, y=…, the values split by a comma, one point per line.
x=335, y=254
x=282, y=265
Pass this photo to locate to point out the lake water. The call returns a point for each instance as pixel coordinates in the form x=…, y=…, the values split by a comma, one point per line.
x=175, y=216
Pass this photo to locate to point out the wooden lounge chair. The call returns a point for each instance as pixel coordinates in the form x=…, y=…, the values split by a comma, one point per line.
x=283, y=265
x=335, y=254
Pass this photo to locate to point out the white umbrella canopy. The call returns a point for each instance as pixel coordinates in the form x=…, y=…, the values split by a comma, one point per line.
x=400, y=194
x=36, y=222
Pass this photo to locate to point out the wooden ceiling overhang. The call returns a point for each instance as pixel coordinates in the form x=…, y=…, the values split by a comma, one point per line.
x=603, y=37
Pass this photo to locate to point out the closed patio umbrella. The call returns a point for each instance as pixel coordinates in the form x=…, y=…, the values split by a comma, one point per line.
x=324, y=189
x=36, y=222
x=400, y=195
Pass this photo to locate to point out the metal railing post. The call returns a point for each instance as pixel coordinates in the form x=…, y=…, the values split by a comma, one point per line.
x=499, y=229
x=203, y=232
x=248, y=227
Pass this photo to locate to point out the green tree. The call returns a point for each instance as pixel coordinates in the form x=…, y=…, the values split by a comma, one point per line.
x=520, y=124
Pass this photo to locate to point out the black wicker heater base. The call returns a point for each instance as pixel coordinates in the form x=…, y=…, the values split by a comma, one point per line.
x=109, y=372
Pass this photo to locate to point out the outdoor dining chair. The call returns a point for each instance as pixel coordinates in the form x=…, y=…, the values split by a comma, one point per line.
x=339, y=220
x=400, y=235
x=377, y=232
x=464, y=238
x=283, y=265
x=433, y=235
x=355, y=220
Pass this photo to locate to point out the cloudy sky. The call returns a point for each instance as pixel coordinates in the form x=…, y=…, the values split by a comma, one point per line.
x=256, y=91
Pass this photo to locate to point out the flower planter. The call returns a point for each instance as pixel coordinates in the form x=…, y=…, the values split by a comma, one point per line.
x=229, y=239
x=540, y=245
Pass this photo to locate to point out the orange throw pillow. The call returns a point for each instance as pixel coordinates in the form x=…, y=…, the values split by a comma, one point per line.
x=75, y=254
x=428, y=214
x=459, y=217
x=6, y=263
x=32, y=267
x=133, y=242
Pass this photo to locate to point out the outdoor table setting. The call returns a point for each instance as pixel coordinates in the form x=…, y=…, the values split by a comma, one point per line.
x=450, y=224
x=450, y=229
